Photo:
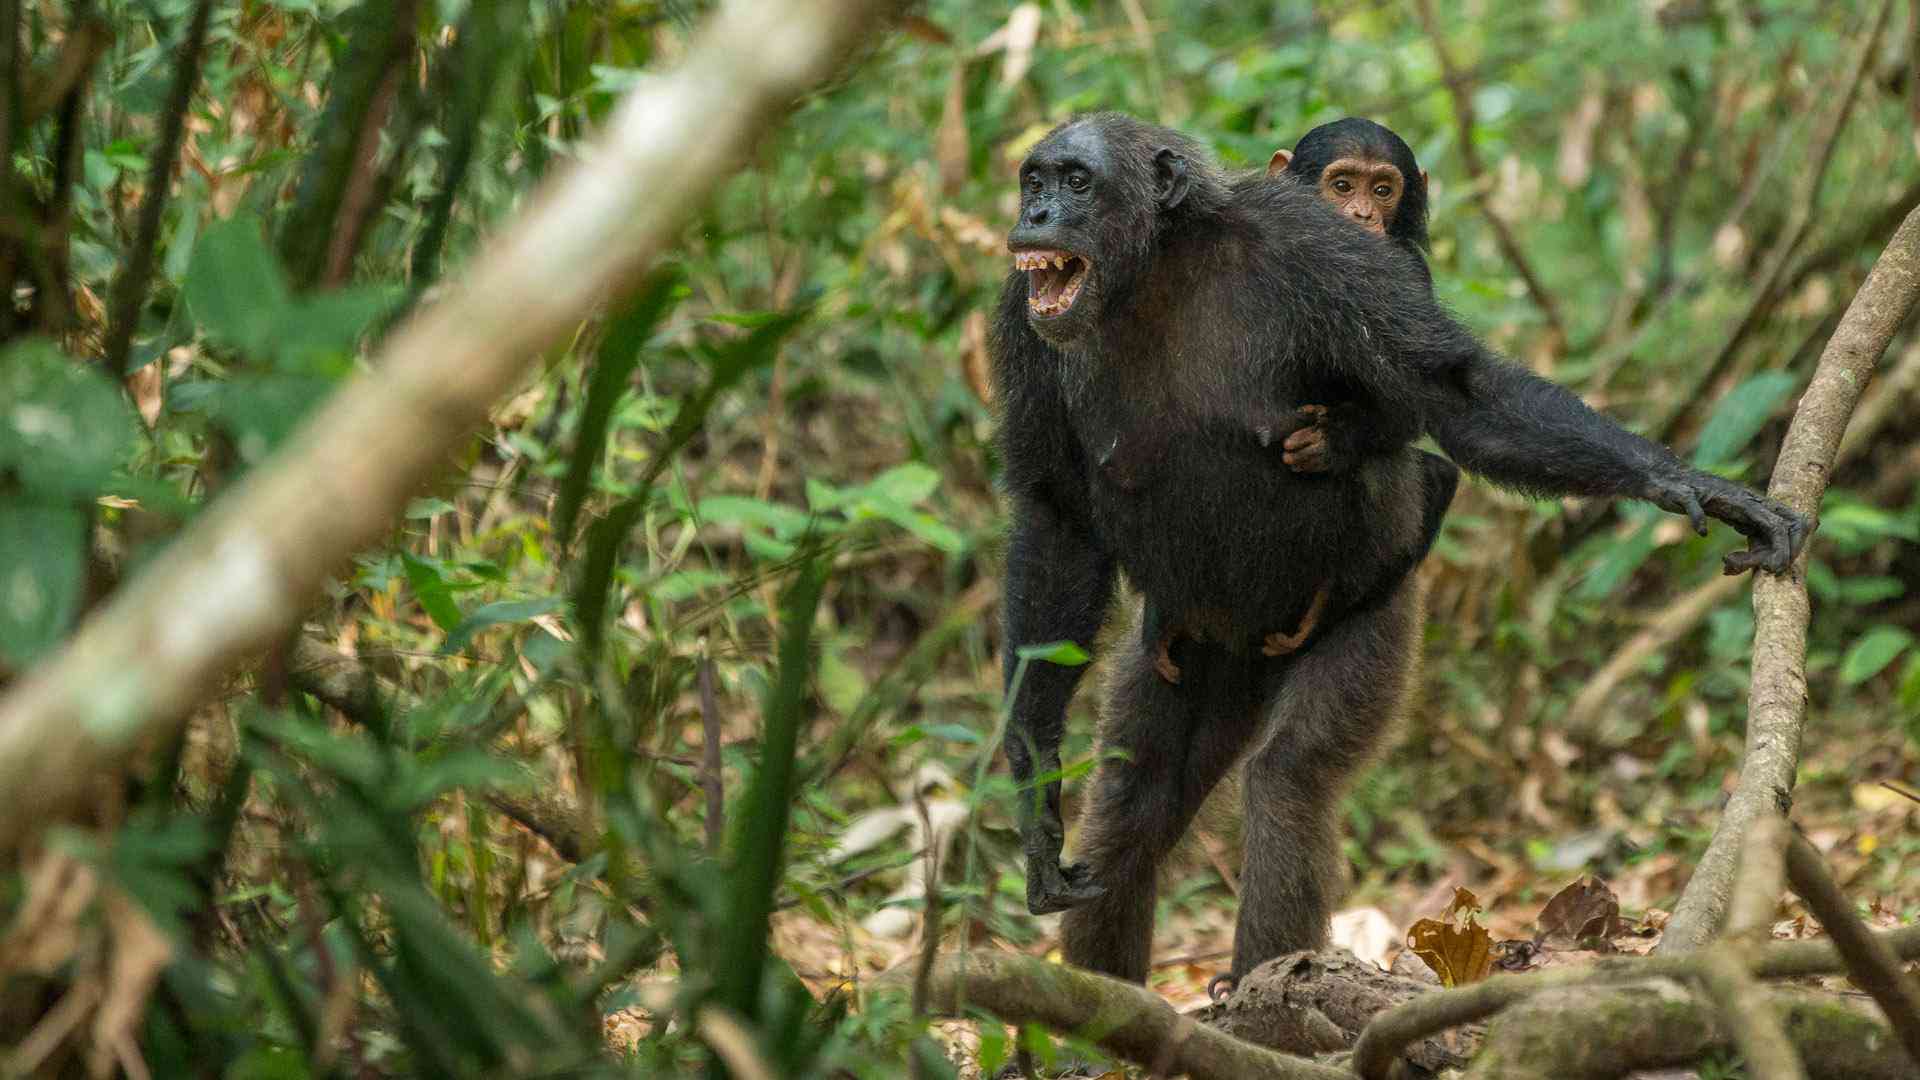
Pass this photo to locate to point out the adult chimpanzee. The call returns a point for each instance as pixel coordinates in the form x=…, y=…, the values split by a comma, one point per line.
x=1152, y=298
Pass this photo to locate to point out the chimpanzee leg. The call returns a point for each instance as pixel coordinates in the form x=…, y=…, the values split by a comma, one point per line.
x=1329, y=707
x=1163, y=747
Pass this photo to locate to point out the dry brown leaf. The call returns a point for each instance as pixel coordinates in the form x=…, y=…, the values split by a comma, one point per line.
x=925, y=29
x=1579, y=915
x=950, y=142
x=1456, y=947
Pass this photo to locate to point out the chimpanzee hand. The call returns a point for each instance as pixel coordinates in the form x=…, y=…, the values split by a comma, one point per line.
x=1774, y=532
x=1311, y=446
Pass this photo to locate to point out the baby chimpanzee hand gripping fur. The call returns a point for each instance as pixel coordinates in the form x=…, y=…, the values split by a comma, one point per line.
x=1151, y=299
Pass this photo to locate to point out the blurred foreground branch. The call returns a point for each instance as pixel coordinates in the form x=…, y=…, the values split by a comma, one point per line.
x=1777, y=705
x=249, y=566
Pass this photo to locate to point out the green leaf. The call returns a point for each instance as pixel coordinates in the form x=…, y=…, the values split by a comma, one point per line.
x=435, y=596
x=1876, y=649
x=236, y=288
x=784, y=522
x=1870, y=590
x=1740, y=416
x=319, y=334
x=64, y=427
x=42, y=569
x=906, y=484
x=760, y=832
x=1063, y=653
x=496, y=614
x=612, y=371
x=262, y=410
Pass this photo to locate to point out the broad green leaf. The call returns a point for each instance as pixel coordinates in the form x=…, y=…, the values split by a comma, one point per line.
x=63, y=426
x=1870, y=655
x=42, y=570
x=496, y=614
x=784, y=522
x=262, y=410
x=319, y=334
x=1871, y=590
x=236, y=288
x=906, y=484
x=435, y=597
x=1740, y=416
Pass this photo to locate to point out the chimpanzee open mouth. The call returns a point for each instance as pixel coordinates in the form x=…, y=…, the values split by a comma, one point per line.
x=1053, y=279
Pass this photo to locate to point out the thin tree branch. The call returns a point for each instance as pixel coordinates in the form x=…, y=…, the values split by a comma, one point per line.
x=1869, y=961
x=1480, y=185
x=247, y=568
x=130, y=287
x=710, y=778
x=1777, y=703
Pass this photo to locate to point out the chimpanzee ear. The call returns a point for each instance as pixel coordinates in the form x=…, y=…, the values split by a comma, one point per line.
x=1278, y=163
x=1169, y=177
x=1423, y=180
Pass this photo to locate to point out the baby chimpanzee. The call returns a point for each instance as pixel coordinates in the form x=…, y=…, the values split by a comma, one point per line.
x=1367, y=173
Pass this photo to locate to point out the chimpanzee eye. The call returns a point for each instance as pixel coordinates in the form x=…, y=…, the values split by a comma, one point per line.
x=1382, y=191
x=1077, y=181
x=1033, y=183
x=1343, y=186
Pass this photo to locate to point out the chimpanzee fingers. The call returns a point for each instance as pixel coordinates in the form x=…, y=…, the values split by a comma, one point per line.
x=1696, y=514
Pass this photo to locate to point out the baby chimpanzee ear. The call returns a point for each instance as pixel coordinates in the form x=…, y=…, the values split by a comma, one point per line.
x=1170, y=178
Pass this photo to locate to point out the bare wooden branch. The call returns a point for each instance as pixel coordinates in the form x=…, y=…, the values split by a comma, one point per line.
x=248, y=567
x=1119, y=1017
x=1869, y=961
x=1777, y=704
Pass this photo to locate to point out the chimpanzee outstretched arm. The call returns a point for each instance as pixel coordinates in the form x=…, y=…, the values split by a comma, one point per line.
x=1058, y=585
x=1517, y=429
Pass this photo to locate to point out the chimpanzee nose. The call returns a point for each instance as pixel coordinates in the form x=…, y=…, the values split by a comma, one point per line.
x=1037, y=216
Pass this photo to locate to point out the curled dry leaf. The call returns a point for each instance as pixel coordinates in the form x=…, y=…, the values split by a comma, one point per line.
x=1582, y=915
x=1366, y=933
x=1456, y=947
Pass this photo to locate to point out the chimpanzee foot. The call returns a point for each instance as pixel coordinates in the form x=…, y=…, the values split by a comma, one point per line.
x=1279, y=644
x=1163, y=662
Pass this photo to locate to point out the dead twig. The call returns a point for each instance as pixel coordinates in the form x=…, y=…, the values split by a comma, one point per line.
x=1725, y=969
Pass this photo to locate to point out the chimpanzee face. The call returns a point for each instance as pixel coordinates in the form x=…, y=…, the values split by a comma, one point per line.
x=1065, y=186
x=1365, y=189
x=1092, y=197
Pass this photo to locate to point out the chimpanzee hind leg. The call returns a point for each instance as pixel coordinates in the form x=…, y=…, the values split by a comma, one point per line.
x=1330, y=708
x=1163, y=747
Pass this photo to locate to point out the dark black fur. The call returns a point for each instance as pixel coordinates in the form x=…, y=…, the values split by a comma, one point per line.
x=1208, y=298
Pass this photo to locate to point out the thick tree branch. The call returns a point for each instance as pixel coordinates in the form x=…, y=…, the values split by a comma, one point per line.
x=1384, y=1038
x=249, y=566
x=1777, y=705
x=1119, y=1017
